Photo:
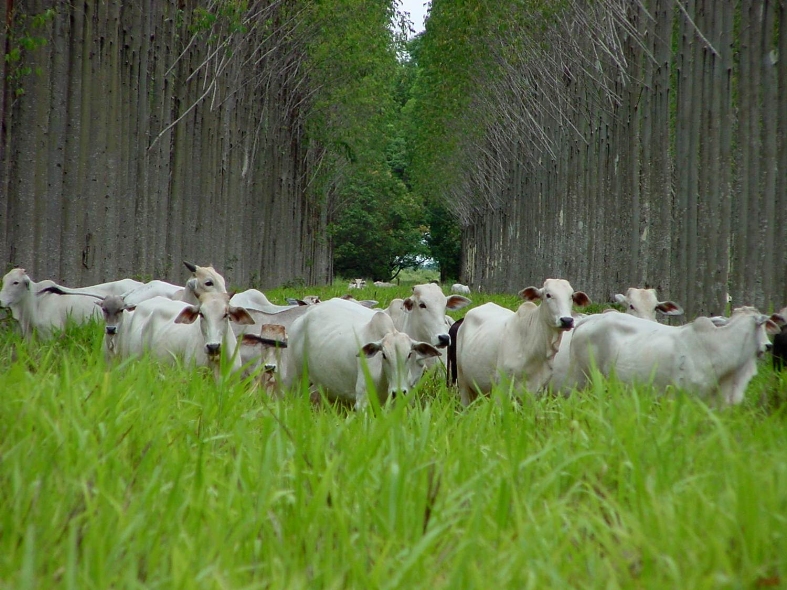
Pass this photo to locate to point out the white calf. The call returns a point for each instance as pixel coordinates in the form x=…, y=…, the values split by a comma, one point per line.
x=460, y=289
x=337, y=342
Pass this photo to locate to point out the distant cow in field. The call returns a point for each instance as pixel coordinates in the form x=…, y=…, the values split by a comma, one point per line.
x=41, y=312
x=460, y=289
x=714, y=358
x=357, y=284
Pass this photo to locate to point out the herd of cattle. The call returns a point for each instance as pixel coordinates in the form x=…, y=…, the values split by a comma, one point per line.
x=346, y=348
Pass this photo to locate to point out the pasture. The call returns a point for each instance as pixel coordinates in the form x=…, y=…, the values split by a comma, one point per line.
x=152, y=476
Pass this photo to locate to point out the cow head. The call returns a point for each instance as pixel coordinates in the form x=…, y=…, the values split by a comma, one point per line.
x=427, y=307
x=643, y=303
x=112, y=307
x=215, y=314
x=402, y=361
x=557, y=296
x=763, y=325
x=205, y=279
x=16, y=284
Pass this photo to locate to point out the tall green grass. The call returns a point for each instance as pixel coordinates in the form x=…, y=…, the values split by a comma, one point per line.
x=146, y=476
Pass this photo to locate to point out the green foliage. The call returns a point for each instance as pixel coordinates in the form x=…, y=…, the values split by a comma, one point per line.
x=142, y=475
x=26, y=34
x=444, y=240
x=378, y=229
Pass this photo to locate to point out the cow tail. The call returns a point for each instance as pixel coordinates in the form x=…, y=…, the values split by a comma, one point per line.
x=451, y=370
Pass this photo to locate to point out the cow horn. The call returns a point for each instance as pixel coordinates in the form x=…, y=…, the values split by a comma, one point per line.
x=190, y=266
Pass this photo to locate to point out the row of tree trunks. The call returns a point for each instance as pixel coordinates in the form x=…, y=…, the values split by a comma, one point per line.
x=137, y=142
x=668, y=170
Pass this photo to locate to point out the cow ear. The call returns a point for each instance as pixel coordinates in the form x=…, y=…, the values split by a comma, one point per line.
x=129, y=307
x=669, y=308
x=778, y=318
x=240, y=316
x=620, y=298
x=188, y=315
x=371, y=349
x=530, y=293
x=457, y=302
x=408, y=304
x=581, y=299
x=425, y=350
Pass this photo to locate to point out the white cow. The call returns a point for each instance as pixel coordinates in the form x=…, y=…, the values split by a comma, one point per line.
x=495, y=342
x=460, y=289
x=714, y=358
x=250, y=351
x=151, y=289
x=255, y=299
x=270, y=358
x=422, y=315
x=116, y=314
x=101, y=290
x=640, y=303
x=42, y=313
x=357, y=284
x=204, y=279
x=333, y=342
x=643, y=303
x=198, y=335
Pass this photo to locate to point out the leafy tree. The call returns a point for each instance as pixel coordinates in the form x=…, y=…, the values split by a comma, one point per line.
x=379, y=231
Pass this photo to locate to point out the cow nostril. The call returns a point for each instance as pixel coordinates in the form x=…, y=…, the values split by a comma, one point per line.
x=567, y=323
x=112, y=330
x=769, y=347
x=443, y=340
x=213, y=348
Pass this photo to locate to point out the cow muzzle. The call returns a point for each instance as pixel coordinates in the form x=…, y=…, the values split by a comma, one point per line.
x=213, y=350
x=111, y=330
x=443, y=340
x=566, y=323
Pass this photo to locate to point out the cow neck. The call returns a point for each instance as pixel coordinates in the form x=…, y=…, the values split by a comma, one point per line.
x=729, y=347
x=532, y=327
x=25, y=310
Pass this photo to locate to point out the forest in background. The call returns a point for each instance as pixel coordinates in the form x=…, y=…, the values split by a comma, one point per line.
x=612, y=143
x=262, y=137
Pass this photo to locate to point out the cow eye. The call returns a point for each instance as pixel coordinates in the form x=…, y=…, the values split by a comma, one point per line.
x=631, y=307
x=208, y=283
x=422, y=306
x=549, y=295
x=16, y=282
